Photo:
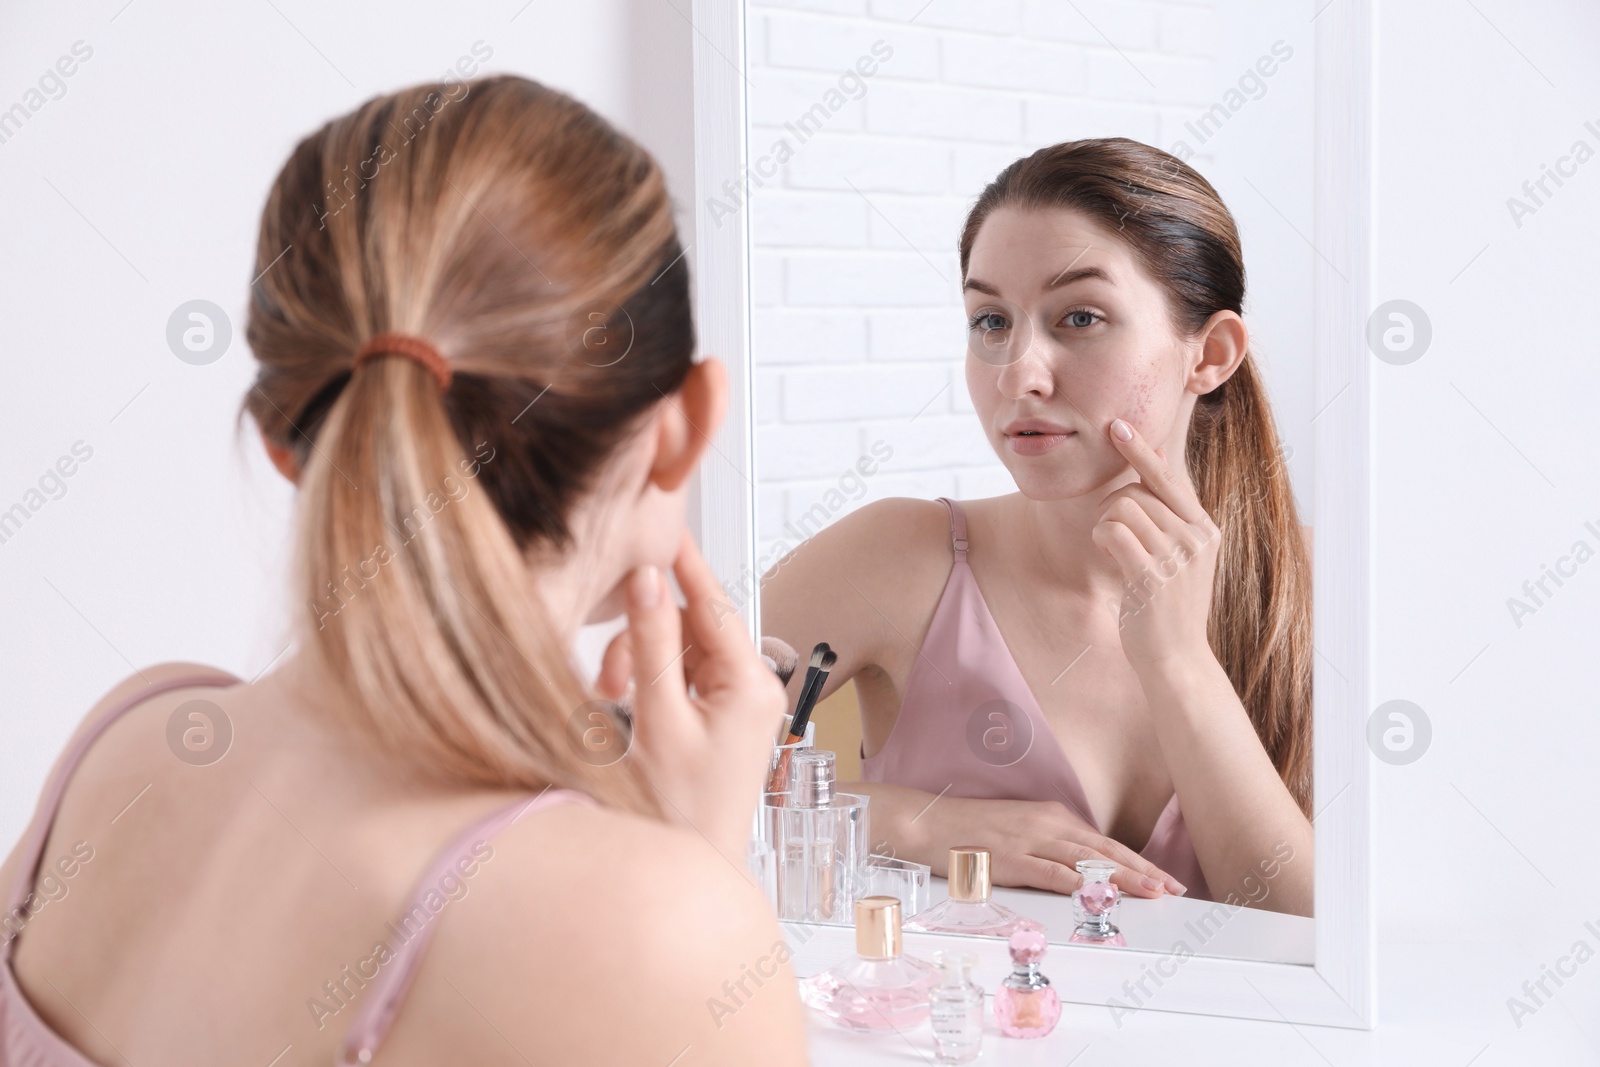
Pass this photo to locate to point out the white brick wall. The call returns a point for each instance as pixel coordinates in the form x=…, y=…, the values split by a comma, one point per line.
x=857, y=324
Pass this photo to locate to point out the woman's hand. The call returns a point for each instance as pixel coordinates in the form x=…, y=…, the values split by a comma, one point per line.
x=706, y=710
x=1166, y=547
x=1034, y=843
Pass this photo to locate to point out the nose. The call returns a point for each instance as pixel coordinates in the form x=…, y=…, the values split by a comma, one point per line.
x=1030, y=373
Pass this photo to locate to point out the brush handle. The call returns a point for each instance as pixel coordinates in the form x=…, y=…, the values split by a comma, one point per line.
x=808, y=700
x=778, y=781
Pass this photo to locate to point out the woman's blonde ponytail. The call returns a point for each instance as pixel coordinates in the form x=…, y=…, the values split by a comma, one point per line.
x=512, y=213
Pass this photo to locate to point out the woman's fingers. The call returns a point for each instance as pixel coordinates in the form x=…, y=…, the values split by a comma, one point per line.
x=616, y=667
x=1131, y=879
x=1137, y=866
x=715, y=630
x=1131, y=514
x=1157, y=475
x=1036, y=872
x=656, y=644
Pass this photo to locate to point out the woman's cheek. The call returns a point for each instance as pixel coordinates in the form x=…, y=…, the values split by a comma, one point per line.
x=983, y=386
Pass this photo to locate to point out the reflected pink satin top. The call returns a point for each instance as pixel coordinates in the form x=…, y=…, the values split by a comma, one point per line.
x=970, y=726
x=26, y=1040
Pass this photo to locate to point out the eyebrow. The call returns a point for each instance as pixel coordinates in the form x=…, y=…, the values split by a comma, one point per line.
x=1066, y=277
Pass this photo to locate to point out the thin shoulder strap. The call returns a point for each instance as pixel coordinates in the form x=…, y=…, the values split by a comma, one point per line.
x=958, y=527
x=409, y=937
x=32, y=849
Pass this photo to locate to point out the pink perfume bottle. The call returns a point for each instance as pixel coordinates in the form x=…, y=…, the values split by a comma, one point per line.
x=1026, y=1005
x=969, y=909
x=880, y=989
x=1093, y=904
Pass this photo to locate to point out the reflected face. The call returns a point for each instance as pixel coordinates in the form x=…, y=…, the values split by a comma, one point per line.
x=1066, y=331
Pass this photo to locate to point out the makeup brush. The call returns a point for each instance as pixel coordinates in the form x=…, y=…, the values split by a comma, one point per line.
x=817, y=653
x=808, y=699
x=778, y=780
x=782, y=658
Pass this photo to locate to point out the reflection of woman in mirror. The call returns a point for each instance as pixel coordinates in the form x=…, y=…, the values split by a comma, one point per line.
x=1114, y=661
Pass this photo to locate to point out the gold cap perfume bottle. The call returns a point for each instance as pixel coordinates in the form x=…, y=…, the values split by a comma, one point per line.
x=969, y=909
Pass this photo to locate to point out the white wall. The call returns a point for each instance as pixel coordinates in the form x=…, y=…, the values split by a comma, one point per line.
x=1484, y=472
x=138, y=189
x=858, y=333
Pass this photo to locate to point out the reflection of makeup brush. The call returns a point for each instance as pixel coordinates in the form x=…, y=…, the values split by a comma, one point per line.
x=808, y=698
x=811, y=674
x=784, y=659
x=778, y=780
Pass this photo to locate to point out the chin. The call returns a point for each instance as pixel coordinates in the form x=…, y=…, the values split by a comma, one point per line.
x=1062, y=480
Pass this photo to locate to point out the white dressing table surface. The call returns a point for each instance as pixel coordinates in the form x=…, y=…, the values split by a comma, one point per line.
x=1164, y=924
x=1437, y=1003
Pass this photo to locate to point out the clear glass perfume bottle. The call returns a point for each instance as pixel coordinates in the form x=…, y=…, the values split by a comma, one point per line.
x=881, y=988
x=969, y=909
x=1026, y=1004
x=956, y=1008
x=822, y=843
x=1093, y=904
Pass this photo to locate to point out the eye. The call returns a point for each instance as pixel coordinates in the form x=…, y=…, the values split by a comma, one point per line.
x=1081, y=319
x=988, y=321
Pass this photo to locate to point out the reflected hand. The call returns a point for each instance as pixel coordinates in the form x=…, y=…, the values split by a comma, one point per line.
x=1159, y=535
x=1037, y=844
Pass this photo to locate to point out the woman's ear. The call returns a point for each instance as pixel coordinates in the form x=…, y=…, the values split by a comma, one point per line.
x=688, y=420
x=1224, y=341
x=282, y=458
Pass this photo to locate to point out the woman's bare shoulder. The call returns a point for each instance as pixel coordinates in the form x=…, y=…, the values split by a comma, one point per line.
x=889, y=539
x=582, y=902
x=102, y=756
x=865, y=584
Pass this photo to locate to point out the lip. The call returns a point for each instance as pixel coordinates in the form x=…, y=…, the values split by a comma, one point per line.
x=1039, y=426
x=1034, y=437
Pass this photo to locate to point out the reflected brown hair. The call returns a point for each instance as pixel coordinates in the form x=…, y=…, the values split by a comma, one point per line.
x=521, y=235
x=1185, y=238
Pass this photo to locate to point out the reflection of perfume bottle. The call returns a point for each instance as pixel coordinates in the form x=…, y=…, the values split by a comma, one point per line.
x=956, y=1005
x=880, y=989
x=1026, y=1005
x=823, y=841
x=1093, y=904
x=969, y=909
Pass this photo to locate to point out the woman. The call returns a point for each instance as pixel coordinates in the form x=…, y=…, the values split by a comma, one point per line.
x=1114, y=661
x=423, y=841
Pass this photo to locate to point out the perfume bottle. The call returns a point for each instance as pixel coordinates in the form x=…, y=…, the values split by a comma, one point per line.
x=1093, y=904
x=1026, y=1005
x=969, y=909
x=956, y=1008
x=880, y=989
x=822, y=843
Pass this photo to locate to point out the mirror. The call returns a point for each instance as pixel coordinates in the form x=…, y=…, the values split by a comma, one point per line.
x=1013, y=673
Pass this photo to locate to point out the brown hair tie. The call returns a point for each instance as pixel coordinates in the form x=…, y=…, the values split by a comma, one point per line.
x=404, y=344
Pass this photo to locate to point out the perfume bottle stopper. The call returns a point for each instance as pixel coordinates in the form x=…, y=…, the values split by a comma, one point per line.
x=969, y=873
x=813, y=778
x=878, y=928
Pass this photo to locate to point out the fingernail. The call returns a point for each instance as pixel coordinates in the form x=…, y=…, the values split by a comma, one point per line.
x=1121, y=430
x=1176, y=886
x=644, y=588
x=1150, y=884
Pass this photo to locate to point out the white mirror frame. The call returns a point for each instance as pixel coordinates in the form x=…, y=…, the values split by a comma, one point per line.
x=1338, y=990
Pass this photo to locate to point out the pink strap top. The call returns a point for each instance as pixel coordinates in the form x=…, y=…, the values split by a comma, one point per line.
x=26, y=1040
x=969, y=725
